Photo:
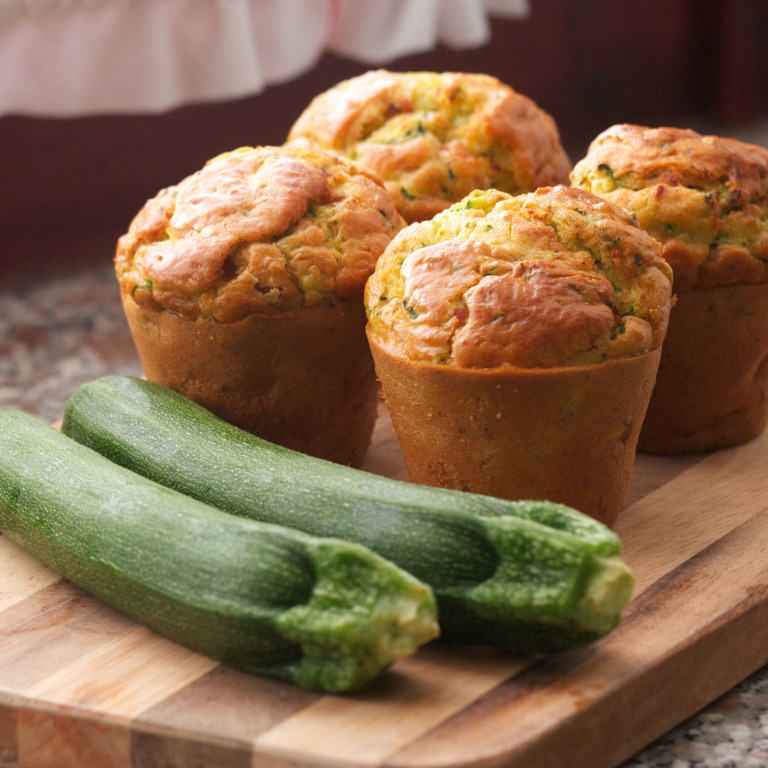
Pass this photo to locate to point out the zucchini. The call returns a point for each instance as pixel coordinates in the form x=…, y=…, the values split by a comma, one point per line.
x=527, y=577
x=324, y=614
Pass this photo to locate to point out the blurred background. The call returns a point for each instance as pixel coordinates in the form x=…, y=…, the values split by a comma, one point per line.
x=104, y=102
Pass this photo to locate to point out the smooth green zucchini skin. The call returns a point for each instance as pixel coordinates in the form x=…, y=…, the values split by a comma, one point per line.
x=324, y=614
x=526, y=577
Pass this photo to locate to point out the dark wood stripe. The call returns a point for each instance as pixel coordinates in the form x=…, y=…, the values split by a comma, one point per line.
x=154, y=751
x=9, y=751
x=226, y=706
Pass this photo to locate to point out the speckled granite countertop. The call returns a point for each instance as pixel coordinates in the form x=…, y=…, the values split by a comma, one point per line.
x=56, y=335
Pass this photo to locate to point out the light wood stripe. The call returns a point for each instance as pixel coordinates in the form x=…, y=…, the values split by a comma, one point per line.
x=51, y=628
x=124, y=676
x=432, y=686
x=20, y=575
x=698, y=507
x=58, y=741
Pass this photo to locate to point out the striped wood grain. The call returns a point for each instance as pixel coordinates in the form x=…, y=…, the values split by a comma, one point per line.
x=82, y=687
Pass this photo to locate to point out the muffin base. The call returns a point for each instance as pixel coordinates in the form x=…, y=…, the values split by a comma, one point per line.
x=567, y=435
x=712, y=386
x=302, y=379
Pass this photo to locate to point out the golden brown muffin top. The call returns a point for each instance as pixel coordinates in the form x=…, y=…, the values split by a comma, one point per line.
x=257, y=230
x=705, y=198
x=548, y=279
x=435, y=137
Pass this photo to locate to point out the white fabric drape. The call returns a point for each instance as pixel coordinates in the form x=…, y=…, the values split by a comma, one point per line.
x=75, y=57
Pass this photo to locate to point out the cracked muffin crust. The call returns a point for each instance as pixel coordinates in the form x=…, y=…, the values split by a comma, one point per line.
x=554, y=278
x=257, y=230
x=242, y=286
x=435, y=137
x=705, y=198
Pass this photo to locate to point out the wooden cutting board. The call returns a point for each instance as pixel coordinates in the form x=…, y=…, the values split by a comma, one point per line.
x=82, y=686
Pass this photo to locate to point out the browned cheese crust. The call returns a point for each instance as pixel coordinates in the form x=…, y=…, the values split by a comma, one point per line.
x=705, y=198
x=548, y=279
x=435, y=137
x=257, y=230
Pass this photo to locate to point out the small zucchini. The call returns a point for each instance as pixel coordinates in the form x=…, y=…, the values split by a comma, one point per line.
x=527, y=577
x=324, y=614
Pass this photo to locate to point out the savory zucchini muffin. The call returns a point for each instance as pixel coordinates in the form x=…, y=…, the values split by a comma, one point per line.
x=243, y=285
x=517, y=340
x=435, y=137
x=705, y=199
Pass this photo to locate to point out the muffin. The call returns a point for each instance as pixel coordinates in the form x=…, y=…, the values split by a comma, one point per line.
x=517, y=340
x=435, y=137
x=705, y=199
x=243, y=289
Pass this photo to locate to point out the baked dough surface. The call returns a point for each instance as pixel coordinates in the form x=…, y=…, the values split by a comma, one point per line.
x=705, y=198
x=257, y=230
x=435, y=137
x=548, y=279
